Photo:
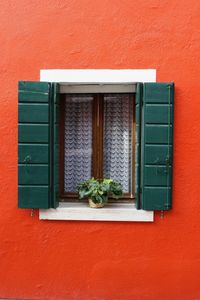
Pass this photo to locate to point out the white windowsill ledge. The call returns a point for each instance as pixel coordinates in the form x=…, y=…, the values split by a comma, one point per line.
x=111, y=212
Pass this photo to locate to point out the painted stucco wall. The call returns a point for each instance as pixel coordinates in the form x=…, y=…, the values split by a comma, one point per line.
x=91, y=260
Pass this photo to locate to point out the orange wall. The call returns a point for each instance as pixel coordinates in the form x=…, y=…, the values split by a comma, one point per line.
x=99, y=260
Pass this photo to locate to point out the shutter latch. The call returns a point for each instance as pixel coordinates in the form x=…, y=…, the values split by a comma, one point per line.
x=167, y=163
x=27, y=159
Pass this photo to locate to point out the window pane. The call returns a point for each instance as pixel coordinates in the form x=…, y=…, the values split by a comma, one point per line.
x=118, y=124
x=78, y=140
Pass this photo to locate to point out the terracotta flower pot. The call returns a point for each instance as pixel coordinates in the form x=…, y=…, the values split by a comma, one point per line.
x=95, y=205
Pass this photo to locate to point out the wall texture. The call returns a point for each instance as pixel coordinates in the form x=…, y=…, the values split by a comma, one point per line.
x=91, y=260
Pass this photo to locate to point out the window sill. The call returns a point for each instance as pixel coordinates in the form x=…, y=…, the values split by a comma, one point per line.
x=111, y=212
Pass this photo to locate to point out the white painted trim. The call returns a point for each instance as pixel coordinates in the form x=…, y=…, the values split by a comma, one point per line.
x=111, y=212
x=114, y=212
x=98, y=76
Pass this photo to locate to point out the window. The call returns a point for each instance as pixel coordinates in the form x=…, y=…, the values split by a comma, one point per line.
x=97, y=140
x=40, y=108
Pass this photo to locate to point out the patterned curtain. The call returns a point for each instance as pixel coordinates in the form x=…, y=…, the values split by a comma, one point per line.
x=118, y=119
x=78, y=140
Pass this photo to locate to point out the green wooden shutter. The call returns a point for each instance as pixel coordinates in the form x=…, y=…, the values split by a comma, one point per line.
x=35, y=141
x=156, y=146
x=138, y=105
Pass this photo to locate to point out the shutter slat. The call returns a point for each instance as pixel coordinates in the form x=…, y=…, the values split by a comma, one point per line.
x=34, y=86
x=156, y=175
x=157, y=198
x=38, y=153
x=33, y=113
x=157, y=140
x=32, y=97
x=36, y=133
x=158, y=114
x=156, y=154
x=33, y=174
x=157, y=134
x=33, y=196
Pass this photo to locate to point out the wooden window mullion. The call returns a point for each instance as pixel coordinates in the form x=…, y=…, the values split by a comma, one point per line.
x=100, y=134
x=94, y=138
x=97, y=157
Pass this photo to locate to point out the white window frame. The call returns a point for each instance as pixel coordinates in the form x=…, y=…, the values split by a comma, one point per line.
x=75, y=77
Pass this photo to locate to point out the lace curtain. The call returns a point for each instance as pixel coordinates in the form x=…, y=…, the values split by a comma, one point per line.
x=118, y=119
x=78, y=141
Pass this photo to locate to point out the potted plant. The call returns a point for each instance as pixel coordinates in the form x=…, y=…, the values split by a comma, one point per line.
x=98, y=190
